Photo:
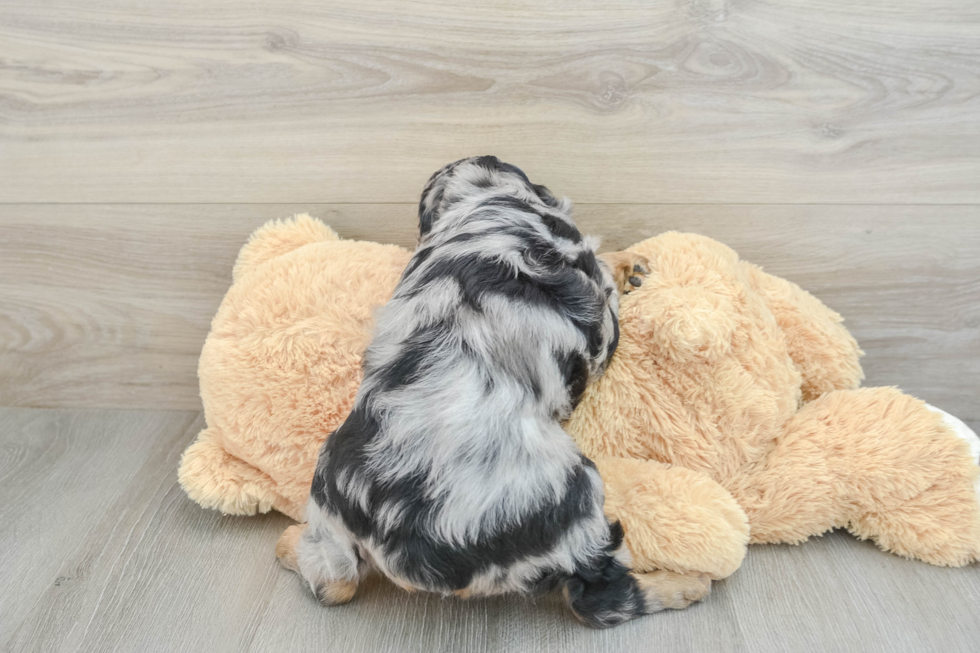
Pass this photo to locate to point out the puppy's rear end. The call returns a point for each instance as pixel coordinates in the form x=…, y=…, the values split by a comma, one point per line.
x=452, y=474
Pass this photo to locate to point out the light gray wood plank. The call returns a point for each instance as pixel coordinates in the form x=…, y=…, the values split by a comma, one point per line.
x=665, y=101
x=72, y=484
x=838, y=594
x=830, y=594
x=102, y=551
x=108, y=305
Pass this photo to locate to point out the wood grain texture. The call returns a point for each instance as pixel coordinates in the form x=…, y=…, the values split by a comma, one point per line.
x=708, y=101
x=835, y=143
x=102, y=551
x=74, y=486
x=109, y=305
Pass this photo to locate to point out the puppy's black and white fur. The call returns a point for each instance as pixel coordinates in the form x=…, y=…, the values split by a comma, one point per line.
x=452, y=473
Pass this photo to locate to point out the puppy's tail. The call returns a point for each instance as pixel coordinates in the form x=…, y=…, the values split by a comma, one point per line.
x=607, y=592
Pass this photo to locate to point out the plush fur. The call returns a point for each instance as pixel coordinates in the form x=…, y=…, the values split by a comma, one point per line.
x=746, y=379
x=730, y=411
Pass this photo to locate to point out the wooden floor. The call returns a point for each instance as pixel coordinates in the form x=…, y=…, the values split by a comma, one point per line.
x=103, y=551
x=835, y=143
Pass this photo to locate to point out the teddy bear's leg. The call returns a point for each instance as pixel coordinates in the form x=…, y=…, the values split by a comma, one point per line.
x=873, y=460
x=941, y=525
x=938, y=526
x=963, y=432
x=792, y=494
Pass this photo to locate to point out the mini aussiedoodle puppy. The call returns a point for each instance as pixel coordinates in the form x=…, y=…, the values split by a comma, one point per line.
x=452, y=473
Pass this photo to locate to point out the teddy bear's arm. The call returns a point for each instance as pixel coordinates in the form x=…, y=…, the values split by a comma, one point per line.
x=675, y=519
x=824, y=351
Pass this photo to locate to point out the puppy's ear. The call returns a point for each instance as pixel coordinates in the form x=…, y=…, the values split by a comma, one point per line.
x=428, y=210
x=431, y=204
x=546, y=195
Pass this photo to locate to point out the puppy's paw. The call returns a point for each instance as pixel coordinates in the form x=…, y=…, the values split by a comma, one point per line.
x=628, y=269
x=335, y=592
x=286, y=547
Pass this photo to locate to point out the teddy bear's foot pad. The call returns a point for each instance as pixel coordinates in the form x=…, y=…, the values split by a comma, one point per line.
x=668, y=590
x=964, y=432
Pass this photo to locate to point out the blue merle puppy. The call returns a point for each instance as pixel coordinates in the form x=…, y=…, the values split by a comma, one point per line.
x=453, y=473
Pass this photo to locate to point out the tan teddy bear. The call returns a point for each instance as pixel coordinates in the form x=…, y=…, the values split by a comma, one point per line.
x=730, y=413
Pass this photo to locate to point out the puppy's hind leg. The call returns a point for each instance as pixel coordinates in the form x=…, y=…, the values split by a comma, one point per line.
x=286, y=547
x=322, y=553
x=618, y=594
x=607, y=592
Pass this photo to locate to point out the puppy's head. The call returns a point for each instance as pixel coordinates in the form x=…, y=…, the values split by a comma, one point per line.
x=477, y=176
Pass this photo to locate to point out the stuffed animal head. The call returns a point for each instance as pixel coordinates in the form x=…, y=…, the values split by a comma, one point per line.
x=714, y=357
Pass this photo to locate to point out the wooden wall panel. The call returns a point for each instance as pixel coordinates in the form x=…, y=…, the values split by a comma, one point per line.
x=108, y=305
x=704, y=101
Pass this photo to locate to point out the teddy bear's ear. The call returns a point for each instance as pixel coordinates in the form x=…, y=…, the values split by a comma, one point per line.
x=279, y=237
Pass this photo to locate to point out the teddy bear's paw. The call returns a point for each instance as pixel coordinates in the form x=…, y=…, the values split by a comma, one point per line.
x=628, y=269
x=668, y=590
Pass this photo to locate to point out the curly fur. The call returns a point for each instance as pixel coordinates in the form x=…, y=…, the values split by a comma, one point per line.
x=453, y=473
